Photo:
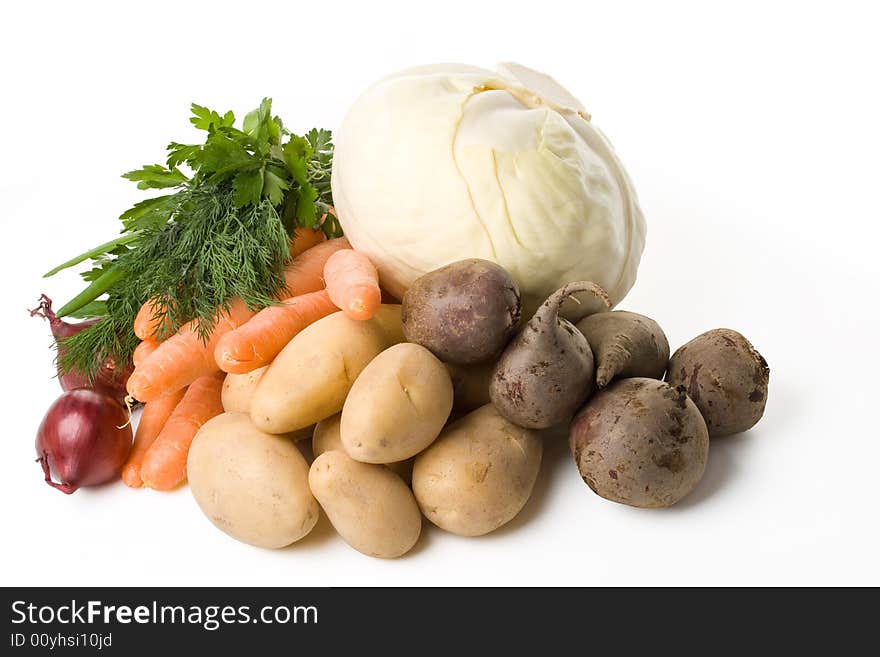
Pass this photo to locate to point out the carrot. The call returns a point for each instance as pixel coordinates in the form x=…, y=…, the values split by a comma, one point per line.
x=184, y=357
x=149, y=320
x=304, y=239
x=164, y=464
x=306, y=273
x=144, y=349
x=353, y=284
x=258, y=342
x=153, y=419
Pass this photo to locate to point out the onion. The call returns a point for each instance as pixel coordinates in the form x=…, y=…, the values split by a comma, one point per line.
x=108, y=379
x=83, y=440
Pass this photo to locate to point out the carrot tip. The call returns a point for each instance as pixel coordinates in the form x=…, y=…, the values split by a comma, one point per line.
x=131, y=476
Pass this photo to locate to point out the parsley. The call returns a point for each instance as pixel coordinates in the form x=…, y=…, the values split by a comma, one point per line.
x=222, y=232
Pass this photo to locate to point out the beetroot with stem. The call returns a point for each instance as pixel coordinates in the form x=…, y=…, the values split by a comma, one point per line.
x=109, y=378
x=83, y=440
x=546, y=372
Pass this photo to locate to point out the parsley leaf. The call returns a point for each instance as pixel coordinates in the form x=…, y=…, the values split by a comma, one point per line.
x=147, y=213
x=222, y=155
x=275, y=184
x=248, y=187
x=181, y=153
x=205, y=119
x=155, y=176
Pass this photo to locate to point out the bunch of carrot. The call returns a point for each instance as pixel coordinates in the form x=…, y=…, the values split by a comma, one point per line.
x=180, y=378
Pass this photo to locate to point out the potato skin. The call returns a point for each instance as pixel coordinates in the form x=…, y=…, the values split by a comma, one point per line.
x=327, y=437
x=625, y=345
x=640, y=442
x=369, y=506
x=397, y=406
x=464, y=312
x=238, y=390
x=310, y=379
x=251, y=485
x=726, y=378
x=478, y=474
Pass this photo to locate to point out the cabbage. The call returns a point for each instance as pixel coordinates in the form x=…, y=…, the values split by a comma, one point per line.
x=440, y=163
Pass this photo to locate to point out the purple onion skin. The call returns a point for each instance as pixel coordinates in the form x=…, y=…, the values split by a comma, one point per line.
x=84, y=440
x=109, y=379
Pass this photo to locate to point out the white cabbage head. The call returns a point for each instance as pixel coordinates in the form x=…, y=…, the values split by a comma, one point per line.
x=446, y=162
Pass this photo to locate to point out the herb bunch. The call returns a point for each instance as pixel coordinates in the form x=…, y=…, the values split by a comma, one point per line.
x=223, y=232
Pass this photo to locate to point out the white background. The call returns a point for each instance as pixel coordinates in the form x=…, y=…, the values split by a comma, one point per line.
x=751, y=133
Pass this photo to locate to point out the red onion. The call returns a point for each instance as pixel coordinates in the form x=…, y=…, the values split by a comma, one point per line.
x=83, y=440
x=109, y=378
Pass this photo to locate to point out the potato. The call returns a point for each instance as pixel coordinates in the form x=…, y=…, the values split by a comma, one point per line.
x=726, y=378
x=640, y=442
x=470, y=385
x=310, y=379
x=478, y=474
x=238, y=390
x=368, y=505
x=326, y=437
x=464, y=312
x=546, y=372
x=252, y=485
x=397, y=406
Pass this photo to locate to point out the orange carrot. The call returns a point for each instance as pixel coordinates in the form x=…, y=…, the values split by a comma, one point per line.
x=146, y=322
x=164, y=464
x=304, y=239
x=144, y=349
x=258, y=342
x=306, y=273
x=353, y=284
x=184, y=357
x=153, y=419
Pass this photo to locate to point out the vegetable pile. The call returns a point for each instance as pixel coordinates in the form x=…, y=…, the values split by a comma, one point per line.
x=281, y=379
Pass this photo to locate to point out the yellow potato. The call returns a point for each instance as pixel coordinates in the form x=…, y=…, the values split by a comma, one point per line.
x=368, y=505
x=397, y=406
x=478, y=474
x=237, y=392
x=238, y=389
x=252, y=485
x=309, y=380
x=326, y=437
